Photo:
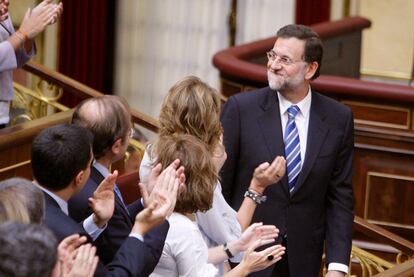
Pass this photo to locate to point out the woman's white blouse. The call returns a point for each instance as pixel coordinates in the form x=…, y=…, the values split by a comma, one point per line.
x=185, y=253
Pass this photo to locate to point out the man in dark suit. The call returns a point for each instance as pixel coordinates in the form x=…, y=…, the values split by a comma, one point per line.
x=313, y=203
x=109, y=120
x=61, y=159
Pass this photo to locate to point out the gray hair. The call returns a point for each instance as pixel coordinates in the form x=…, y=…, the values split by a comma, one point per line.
x=27, y=250
x=29, y=194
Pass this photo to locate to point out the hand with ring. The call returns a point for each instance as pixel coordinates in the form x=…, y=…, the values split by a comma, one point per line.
x=255, y=261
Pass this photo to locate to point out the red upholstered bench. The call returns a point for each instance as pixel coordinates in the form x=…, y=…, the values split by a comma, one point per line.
x=128, y=185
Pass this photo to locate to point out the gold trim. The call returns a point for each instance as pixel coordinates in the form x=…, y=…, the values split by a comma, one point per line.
x=390, y=176
x=49, y=101
x=367, y=190
x=346, y=8
x=390, y=224
x=137, y=145
x=384, y=107
x=369, y=263
x=386, y=73
x=379, y=124
x=4, y=169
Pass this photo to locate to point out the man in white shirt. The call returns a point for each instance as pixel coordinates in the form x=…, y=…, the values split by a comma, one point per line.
x=313, y=202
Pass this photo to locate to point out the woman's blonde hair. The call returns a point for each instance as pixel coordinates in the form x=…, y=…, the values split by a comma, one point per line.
x=192, y=107
x=12, y=209
x=200, y=171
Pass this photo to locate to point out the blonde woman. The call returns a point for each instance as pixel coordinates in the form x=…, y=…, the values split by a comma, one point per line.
x=192, y=107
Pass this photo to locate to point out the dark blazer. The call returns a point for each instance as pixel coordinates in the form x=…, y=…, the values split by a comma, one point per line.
x=321, y=206
x=119, y=226
x=129, y=261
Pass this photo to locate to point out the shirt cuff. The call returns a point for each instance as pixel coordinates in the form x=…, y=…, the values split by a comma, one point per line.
x=91, y=228
x=237, y=258
x=338, y=267
x=137, y=236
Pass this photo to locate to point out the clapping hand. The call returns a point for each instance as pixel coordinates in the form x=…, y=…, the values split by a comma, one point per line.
x=4, y=9
x=149, y=190
x=85, y=262
x=36, y=20
x=257, y=231
x=254, y=261
x=103, y=200
x=266, y=174
x=57, y=8
x=163, y=199
x=75, y=259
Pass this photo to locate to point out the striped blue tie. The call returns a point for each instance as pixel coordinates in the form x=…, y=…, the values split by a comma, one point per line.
x=292, y=148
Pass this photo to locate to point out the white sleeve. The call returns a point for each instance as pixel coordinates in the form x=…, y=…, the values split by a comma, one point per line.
x=7, y=56
x=21, y=57
x=191, y=257
x=91, y=228
x=219, y=224
x=145, y=167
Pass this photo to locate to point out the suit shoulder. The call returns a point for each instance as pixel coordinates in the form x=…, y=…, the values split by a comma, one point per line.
x=249, y=95
x=246, y=99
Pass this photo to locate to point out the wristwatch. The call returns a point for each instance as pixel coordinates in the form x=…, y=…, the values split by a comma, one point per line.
x=257, y=198
x=227, y=250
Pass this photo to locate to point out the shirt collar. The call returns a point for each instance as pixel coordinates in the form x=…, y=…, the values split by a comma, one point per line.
x=63, y=205
x=304, y=104
x=102, y=169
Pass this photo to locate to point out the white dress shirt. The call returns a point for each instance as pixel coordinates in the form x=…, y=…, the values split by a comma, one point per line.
x=302, y=124
x=185, y=252
x=301, y=119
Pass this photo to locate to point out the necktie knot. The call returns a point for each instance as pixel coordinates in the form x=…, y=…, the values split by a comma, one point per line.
x=292, y=111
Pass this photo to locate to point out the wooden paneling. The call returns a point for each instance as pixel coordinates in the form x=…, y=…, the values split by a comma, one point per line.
x=384, y=185
x=384, y=193
x=390, y=116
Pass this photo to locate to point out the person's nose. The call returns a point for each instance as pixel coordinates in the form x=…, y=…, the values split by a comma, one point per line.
x=274, y=64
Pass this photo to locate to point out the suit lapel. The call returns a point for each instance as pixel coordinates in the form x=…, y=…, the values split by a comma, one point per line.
x=317, y=132
x=98, y=178
x=270, y=125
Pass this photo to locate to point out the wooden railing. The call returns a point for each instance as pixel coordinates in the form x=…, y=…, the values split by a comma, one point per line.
x=402, y=270
x=15, y=140
x=82, y=91
x=243, y=67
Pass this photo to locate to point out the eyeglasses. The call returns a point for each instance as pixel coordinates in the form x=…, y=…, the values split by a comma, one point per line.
x=283, y=60
x=132, y=133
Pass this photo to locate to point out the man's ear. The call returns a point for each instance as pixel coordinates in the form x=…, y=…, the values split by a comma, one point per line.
x=311, y=70
x=79, y=179
x=116, y=147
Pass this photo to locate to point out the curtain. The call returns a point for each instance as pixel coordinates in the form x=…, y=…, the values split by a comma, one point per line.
x=86, y=43
x=309, y=12
x=257, y=19
x=162, y=41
